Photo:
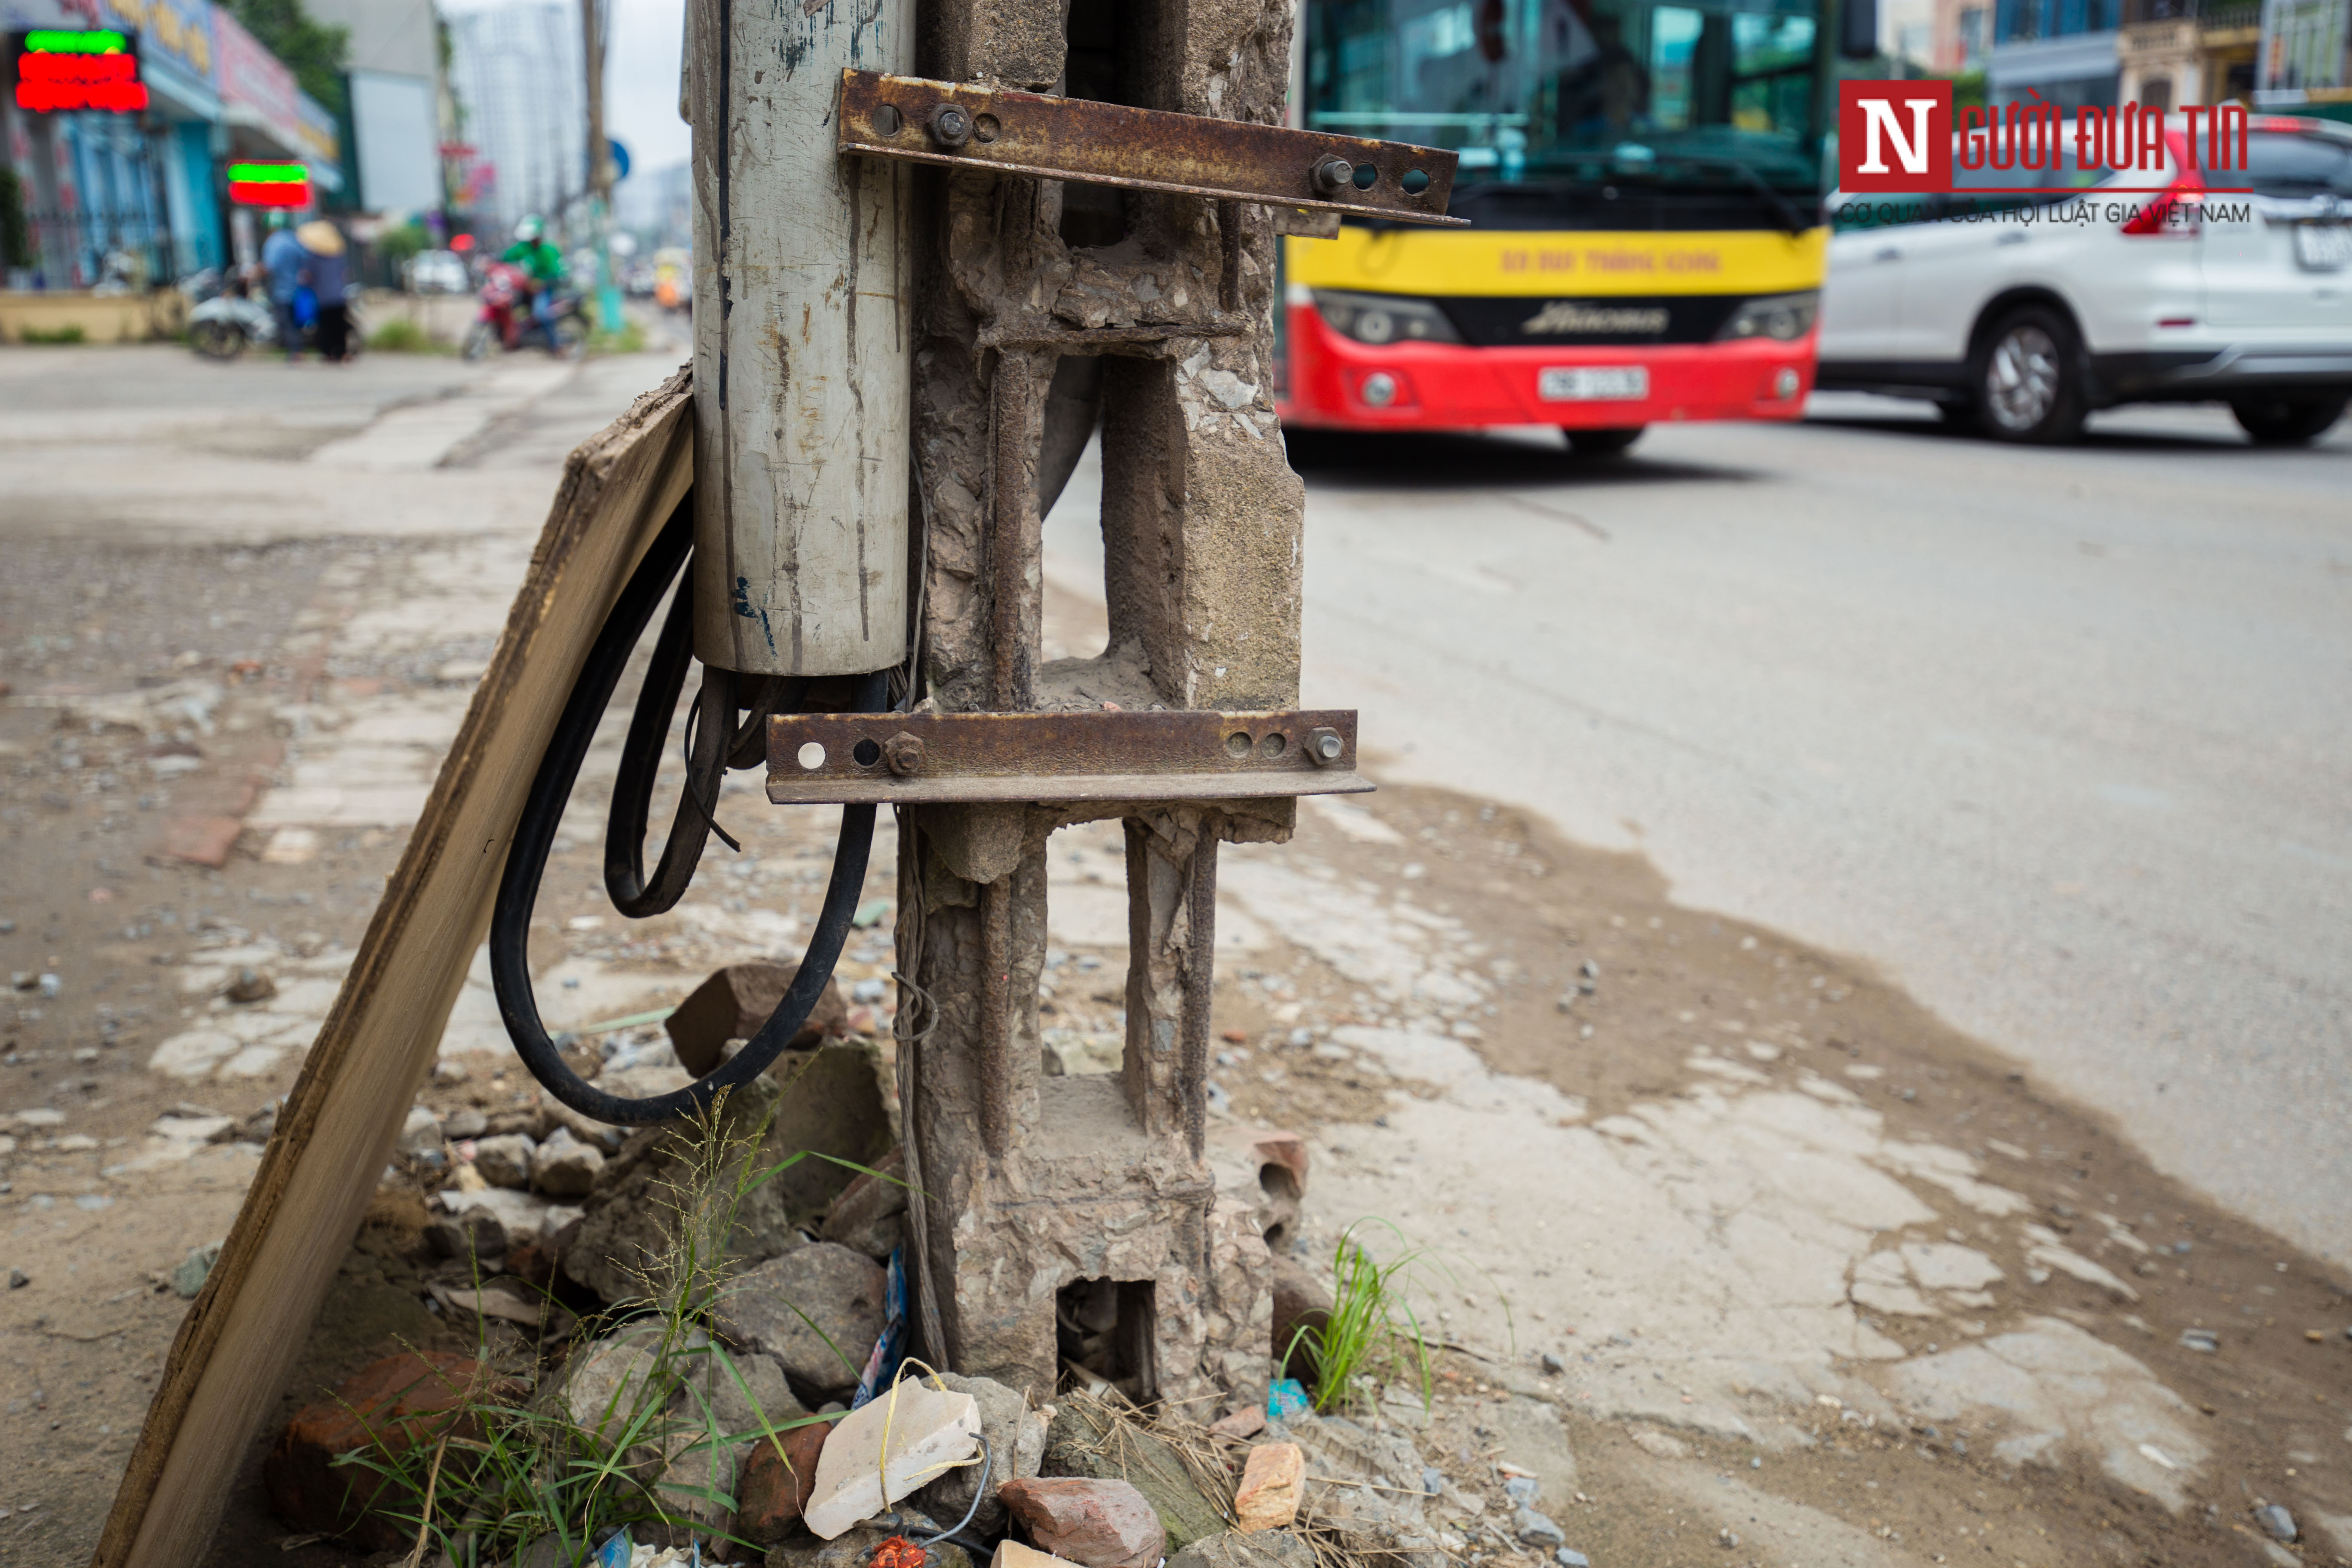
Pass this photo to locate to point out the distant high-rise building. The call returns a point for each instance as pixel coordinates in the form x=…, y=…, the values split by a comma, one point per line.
x=516, y=71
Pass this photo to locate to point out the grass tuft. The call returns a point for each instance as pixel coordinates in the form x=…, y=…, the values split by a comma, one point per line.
x=1373, y=1327
x=629, y=339
x=402, y=336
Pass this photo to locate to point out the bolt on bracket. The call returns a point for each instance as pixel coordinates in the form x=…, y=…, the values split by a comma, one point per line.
x=884, y=759
x=1144, y=149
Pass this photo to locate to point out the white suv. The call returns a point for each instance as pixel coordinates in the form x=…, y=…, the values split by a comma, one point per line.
x=2020, y=314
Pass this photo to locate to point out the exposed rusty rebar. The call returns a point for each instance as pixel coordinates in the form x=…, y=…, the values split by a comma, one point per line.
x=1011, y=656
x=1229, y=245
x=1199, y=985
x=995, y=1016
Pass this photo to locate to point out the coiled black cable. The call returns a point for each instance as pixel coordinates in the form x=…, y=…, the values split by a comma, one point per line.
x=719, y=740
x=633, y=785
x=715, y=744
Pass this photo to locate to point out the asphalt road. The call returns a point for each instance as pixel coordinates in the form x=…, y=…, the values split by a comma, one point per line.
x=2055, y=738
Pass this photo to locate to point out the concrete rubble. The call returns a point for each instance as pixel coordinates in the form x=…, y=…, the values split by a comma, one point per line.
x=1368, y=1488
x=1087, y=1440
x=1271, y=1549
x=817, y=1309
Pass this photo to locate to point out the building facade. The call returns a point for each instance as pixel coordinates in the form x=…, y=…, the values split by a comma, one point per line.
x=2176, y=52
x=393, y=160
x=519, y=75
x=2062, y=51
x=118, y=200
x=2304, y=53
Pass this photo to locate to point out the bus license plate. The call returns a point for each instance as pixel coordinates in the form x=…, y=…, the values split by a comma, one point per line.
x=1592, y=383
x=2322, y=247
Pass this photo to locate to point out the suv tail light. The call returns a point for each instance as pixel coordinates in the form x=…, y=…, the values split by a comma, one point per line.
x=2180, y=211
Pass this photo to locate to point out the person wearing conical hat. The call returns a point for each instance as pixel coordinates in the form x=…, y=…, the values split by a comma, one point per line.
x=323, y=264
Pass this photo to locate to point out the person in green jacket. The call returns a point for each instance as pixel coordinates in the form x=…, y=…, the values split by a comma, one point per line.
x=541, y=262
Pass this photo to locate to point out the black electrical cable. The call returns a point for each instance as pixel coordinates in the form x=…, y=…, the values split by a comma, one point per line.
x=633, y=893
x=633, y=785
x=559, y=770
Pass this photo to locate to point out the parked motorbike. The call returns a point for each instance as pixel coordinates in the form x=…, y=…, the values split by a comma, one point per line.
x=230, y=316
x=506, y=320
x=226, y=318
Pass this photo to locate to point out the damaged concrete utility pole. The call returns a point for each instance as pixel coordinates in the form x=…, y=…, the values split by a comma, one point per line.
x=951, y=242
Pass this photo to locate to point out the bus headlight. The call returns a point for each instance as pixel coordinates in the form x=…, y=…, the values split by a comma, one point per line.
x=1783, y=318
x=1383, y=319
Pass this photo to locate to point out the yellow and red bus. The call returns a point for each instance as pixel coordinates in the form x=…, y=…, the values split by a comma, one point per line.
x=1643, y=181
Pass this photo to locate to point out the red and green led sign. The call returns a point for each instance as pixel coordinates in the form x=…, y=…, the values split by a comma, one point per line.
x=59, y=71
x=269, y=184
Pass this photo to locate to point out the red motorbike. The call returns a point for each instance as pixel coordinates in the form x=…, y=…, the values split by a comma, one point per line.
x=507, y=322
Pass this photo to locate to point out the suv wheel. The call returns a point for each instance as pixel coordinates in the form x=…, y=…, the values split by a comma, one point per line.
x=2287, y=421
x=2028, y=380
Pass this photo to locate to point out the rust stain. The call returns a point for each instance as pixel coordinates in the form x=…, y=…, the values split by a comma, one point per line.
x=1144, y=149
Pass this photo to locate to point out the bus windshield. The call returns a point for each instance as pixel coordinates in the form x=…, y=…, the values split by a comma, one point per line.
x=1686, y=93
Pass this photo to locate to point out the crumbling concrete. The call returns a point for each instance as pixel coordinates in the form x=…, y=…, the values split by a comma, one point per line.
x=1037, y=1185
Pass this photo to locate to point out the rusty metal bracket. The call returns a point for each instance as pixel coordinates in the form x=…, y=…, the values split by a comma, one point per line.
x=1145, y=149
x=885, y=759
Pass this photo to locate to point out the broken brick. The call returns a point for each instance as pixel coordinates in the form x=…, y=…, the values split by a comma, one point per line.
x=772, y=1489
x=1098, y=1523
x=1273, y=1479
x=199, y=840
x=391, y=1405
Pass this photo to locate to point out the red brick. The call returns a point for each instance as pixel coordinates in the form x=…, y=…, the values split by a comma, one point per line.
x=393, y=1403
x=770, y=1491
x=1101, y=1524
x=1273, y=1479
x=199, y=840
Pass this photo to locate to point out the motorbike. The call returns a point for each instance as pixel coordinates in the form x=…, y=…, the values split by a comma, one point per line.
x=226, y=318
x=506, y=320
x=230, y=316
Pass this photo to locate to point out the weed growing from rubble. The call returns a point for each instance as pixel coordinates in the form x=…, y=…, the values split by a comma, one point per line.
x=499, y=1475
x=1371, y=1326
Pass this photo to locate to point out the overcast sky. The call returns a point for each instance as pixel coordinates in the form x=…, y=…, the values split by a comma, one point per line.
x=641, y=82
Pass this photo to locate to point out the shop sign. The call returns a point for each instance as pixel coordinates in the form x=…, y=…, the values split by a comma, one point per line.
x=59, y=72
x=179, y=32
x=269, y=184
